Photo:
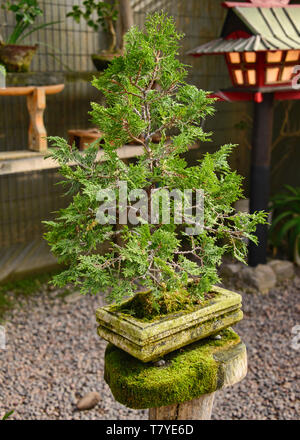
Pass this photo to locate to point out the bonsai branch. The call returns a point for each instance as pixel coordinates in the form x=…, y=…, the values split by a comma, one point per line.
x=112, y=32
x=125, y=90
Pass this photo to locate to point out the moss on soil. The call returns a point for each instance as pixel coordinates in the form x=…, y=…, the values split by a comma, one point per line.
x=189, y=373
x=146, y=308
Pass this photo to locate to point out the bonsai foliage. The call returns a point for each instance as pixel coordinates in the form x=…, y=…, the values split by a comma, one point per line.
x=26, y=12
x=146, y=95
x=285, y=227
x=107, y=15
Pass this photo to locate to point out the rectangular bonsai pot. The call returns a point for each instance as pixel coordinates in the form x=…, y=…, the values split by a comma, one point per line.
x=148, y=341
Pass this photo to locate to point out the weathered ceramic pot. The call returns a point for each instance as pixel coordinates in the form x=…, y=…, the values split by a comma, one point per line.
x=148, y=341
x=102, y=60
x=17, y=58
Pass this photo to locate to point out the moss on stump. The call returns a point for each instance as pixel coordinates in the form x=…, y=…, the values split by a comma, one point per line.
x=187, y=374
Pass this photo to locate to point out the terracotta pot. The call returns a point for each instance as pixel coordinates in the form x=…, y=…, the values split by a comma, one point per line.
x=102, y=60
x=149, y=341
x=17, y=58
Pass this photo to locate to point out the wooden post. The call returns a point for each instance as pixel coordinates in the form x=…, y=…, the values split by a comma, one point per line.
x=36, y=104
x=184, y=385
x=197, y=409
x=260, y=173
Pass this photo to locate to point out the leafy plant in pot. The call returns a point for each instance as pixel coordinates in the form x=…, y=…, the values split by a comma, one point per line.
x=106, y=17
x=163, y=294
x=14, y=56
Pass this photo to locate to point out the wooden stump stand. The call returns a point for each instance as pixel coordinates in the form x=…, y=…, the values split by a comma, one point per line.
x=182, y=385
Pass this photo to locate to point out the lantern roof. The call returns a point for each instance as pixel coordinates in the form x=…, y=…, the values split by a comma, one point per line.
x=264, y=28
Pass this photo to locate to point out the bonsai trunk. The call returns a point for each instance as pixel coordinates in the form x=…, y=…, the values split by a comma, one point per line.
x=112, y=32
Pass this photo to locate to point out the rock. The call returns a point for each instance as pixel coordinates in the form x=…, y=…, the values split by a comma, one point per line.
x=73, y=297
x=216, y=337
x=284, y=270
x=229, y=270
x=88, y=401
x=242, y=205
x=265, y=278
x=297, y=282
x=261, y=278
x=160, y=363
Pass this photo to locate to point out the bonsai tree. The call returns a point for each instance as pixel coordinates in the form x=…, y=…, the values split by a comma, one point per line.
x=106, y=17
x=101, y=14
x=146, y=94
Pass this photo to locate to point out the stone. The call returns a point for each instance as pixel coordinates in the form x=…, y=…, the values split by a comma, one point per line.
x=149, y=341
x=242, y=205
x=230, y=270
x=266, y=278
x=73, y=297
x=191, y=372
x=88, y=401
x=283, y=269
x=160, y=363
x=262, y=278
x=216, y=337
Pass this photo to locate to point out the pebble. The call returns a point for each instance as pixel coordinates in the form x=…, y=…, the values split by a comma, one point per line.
x=160, y=363
x=216, y=337
x=88, y=401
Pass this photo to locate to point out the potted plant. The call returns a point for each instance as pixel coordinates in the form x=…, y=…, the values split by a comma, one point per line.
x=163, y=268
x=106, y=17
x=14, y=56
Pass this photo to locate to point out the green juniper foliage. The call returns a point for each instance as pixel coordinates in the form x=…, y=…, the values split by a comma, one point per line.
x=146, y=95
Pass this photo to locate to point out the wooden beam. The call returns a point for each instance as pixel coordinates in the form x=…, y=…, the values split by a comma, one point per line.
x=20, y=162
x=262, y=4
x=26, y=161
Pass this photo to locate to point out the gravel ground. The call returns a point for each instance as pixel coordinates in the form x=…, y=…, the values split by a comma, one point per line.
x=271, y=389
x=53, y=356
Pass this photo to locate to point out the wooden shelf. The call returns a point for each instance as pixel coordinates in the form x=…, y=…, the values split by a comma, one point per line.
x=48, y=78
x=25, y=161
